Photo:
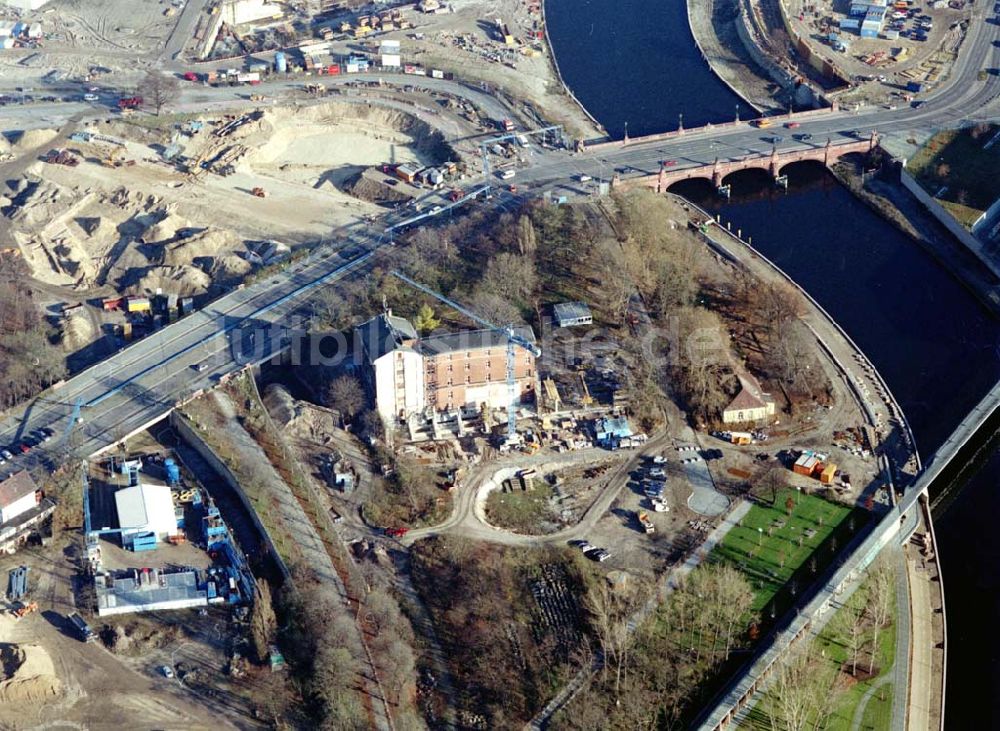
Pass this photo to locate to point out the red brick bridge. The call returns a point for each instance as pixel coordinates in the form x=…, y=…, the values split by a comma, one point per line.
x=772, y=162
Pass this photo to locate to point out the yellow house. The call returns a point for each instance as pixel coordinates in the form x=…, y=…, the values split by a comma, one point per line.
x=750, y=404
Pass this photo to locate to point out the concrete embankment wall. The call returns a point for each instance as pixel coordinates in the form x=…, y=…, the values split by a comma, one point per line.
x=947, y=220
x=705, y=57
x=189, y=434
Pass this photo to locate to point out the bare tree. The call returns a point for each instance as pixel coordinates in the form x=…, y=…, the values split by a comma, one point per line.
x=157, y=89
x=850, y=623
x=612, y=610
x=879, y=605
x=346, y=395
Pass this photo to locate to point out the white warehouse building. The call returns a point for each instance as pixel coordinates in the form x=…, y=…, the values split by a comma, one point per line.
x=143, y=510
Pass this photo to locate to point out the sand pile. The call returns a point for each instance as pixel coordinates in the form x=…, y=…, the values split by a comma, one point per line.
x=33, y=138
x=26, y=674
x=78, y=331
x=166, y=229
x=280, y=404
x=179, y=280
x=38, y=202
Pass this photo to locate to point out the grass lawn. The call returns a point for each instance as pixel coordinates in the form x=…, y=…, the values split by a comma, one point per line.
x=523, y=511
x=956, y=159
x=830, y=648
x=878, y=712
x=769, y=545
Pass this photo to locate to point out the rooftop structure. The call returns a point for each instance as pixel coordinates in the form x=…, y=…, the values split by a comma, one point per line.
x=18, y=494
x=750, y=404
x=570, y=314
x=146, y=512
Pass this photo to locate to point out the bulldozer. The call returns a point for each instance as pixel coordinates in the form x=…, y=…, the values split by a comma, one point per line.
x=114, y=158
x=258, y=192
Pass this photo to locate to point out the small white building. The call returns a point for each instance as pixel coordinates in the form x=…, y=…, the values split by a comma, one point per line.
x=18, y=495
x=571, y=314
x=144, y=509
x=390, y=54
x=751, y=403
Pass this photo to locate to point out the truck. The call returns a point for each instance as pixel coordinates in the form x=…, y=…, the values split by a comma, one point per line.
x=645, y=522
x=506, y=174
x=83, y=629
x=130, y=102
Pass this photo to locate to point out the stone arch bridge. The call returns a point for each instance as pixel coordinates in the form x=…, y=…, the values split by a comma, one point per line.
x=772, y=162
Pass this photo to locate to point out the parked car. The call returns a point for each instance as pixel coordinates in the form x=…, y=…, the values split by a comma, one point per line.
x=167, y=671
x=7, y=454
x=24, y=447
x=657, y=472
x=90, y=97
x=597, y=554
x=658, y=459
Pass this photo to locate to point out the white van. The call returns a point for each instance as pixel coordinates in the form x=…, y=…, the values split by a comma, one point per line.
x=506, y=174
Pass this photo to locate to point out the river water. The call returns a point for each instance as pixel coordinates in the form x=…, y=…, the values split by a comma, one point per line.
x=935, y=345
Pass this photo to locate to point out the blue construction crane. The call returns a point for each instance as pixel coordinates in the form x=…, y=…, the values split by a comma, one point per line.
x=513, y=340
x=74, y=417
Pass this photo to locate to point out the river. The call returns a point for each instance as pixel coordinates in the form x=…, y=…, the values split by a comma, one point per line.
x=935, y=345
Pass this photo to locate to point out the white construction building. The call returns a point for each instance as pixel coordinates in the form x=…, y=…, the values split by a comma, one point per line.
x=145, y=510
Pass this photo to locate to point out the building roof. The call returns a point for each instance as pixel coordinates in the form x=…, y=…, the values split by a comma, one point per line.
x=385, y=333
x=470, y=340
x=141, y=506
x=751, y=395
x=16, y=487
x=571, y=311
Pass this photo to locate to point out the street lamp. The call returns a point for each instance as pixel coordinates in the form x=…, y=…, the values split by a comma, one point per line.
x=737, y=112
x=760, y=536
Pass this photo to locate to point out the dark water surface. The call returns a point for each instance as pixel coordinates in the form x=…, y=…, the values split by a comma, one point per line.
x=635, y=62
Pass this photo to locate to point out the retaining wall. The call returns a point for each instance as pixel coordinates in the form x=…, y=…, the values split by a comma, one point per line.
x=189, y=434
x=947, y=220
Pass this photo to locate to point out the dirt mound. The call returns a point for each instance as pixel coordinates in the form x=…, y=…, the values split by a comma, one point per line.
x=280, y=404
x=363, y=187
x=78, y=332
x=26, y=674
x=166, y=229
x=34, y=138
x=179, y=280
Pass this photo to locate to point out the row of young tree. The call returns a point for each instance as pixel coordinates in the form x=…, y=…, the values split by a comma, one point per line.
x=807, y=686
x=653, y=676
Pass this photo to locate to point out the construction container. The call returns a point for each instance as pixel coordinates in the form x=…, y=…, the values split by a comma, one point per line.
x=741, y=438
x=138, y=304
x=805, y=464
x=281, y=62
x=173, y=471
x=828, y=473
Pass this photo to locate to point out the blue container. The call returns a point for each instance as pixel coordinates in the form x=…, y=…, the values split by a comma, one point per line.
x=280, y=62
x=173, y=471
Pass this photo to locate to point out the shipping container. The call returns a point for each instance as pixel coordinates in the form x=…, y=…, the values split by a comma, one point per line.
x=437, y=74
x=138, y=304
x=828, y=474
